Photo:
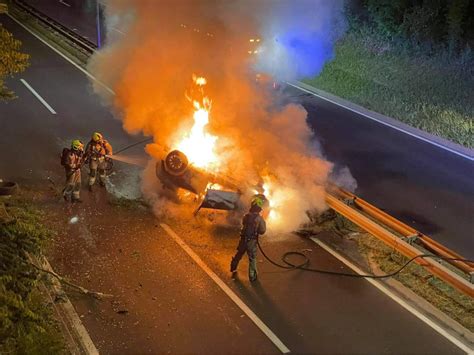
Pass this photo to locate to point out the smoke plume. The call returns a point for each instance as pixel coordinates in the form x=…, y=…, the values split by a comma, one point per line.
x=299, y=36
x=154, y=47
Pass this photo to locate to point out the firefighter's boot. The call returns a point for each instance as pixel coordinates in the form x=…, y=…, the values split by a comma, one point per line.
x=233, y=265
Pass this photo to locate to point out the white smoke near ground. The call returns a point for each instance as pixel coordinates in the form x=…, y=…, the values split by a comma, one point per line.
x=342, y=177
x=154, y=48
x=125, y=182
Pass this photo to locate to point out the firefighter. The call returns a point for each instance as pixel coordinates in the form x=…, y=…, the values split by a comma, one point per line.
x=72, y=160
x=253, y=225
x=96, y=151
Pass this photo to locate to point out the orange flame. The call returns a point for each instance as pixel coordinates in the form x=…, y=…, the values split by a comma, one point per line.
x=197, y=144
x=279, y=198
x=199, y=80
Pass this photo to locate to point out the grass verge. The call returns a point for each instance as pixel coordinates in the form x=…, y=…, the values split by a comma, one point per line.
x=27, y=325
x=433, y=93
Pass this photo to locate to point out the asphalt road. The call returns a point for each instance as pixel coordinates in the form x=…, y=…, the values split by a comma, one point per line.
x=162, y=302
x=308, y=312
x=425, y=186
x=77, y=15
x=428, y=188
x=34, y=137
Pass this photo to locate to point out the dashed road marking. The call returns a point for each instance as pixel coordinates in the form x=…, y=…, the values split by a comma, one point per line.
x=396, y=298
x=119, y=31
x=38, y=96
x=253, y=317
x=63, y=56
x=64, y=3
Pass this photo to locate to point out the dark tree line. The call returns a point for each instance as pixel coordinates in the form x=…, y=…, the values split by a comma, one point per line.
x=439, y=22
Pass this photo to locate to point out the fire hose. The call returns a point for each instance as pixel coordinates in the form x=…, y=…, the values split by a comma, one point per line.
x=149, y=139
x=304, y=264
x=109, y=162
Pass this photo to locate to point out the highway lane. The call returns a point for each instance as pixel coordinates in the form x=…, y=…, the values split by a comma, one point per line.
x=331, y=315
x=77, y=15
x=37, y=136
x=314, y=313
x=425, y=186
x=162, y=302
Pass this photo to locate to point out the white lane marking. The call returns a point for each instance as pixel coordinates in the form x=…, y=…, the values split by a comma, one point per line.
x=257, y=321
x=64, y=3
x=119, y=31
x=471, y=158
x=62, y=55
x=401, y=302
x=38, y=96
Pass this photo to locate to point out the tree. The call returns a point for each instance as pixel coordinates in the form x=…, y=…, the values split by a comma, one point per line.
x=456, y=18
x=425, y=22
x=387, y=15
x=12, y=61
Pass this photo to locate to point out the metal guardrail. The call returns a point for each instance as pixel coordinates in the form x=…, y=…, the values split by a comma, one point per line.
x=408, y=232
x=82, y=42
x=380, y=225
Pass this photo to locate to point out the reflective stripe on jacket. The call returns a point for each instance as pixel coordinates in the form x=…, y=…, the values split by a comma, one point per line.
x=98, y=149
x=73, y=160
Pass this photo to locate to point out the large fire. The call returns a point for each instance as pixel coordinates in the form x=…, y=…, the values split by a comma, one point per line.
x=279, y=198
x=197, y=144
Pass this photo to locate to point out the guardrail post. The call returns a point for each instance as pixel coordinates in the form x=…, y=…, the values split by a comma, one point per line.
x=411, y=239
x=377, y=230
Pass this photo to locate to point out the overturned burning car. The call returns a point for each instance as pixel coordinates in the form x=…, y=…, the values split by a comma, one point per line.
x=212, y=191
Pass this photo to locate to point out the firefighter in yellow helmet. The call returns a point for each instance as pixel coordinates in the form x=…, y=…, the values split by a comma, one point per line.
x=253, y=225
x=96, y=151
x=72, y=160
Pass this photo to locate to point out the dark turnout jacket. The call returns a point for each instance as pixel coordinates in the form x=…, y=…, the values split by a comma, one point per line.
x=253, y=225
